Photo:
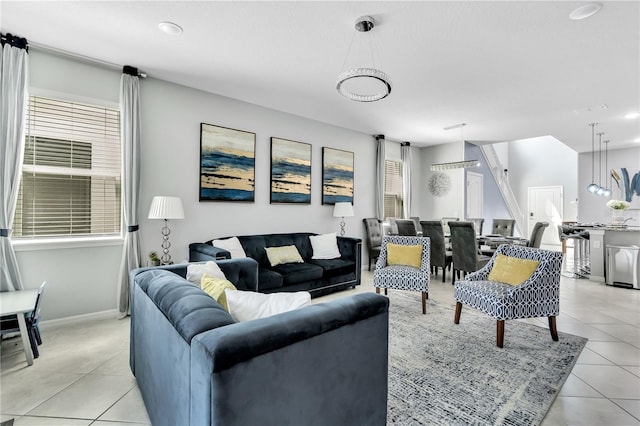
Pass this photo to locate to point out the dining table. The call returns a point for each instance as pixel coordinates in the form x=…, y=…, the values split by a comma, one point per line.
x=494, y=240
x=19, y=303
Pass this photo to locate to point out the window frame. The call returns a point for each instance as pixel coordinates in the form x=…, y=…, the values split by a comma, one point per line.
x=68, y=242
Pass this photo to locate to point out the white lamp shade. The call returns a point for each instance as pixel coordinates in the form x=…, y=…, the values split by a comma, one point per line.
x=166, y=208
x=342, y=210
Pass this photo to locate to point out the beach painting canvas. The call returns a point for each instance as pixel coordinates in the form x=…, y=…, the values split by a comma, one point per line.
x=290, y=171
x=227, y=164
x=337, y=176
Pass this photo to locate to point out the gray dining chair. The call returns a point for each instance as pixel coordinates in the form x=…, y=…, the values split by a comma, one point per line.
x=440, y=256
x=406, y=227
x=503, y=227
x=466, y=258
x=478, y=223
x=536, y=234
x=373, y=232
x=445, y=224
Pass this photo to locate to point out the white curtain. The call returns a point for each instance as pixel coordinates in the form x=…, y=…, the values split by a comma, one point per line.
x=130, y=134
x=14, y=84
x=405, y=155
x=380, y=170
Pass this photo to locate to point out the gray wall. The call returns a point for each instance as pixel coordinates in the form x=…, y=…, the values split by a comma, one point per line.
x=83, y=279
x=592, y=207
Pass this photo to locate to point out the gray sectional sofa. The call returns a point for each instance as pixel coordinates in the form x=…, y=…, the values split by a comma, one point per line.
x=324, y=364
x=318, y=277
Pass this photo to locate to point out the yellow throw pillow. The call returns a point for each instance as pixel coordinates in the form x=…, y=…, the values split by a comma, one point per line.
x=284, y=254
x=512, y=270
x=215, y=288
x=400, y=254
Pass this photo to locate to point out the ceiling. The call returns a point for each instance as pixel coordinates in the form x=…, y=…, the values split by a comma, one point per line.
x=510, y=70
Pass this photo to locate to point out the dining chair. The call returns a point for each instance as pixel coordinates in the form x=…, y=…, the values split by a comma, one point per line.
x=478, y=223
x=503, y=227
x=536, y=234
x=373, y=231
x=416, y=222
x=537, y=295
x=395, y=272
x=445, y=224
x=464, y=244
x=406, y=227
x=9, y=324
x=440, y=257
x=393, y=226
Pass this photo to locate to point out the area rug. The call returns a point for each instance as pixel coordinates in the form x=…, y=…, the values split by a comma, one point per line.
x=441, y=373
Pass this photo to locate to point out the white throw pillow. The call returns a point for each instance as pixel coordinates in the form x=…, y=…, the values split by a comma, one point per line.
x=195, y=271
x=249, y=305
x=232, y=245
x=325, y=246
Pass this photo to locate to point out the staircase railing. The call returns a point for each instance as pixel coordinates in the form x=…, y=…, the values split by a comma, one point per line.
x=497, y=170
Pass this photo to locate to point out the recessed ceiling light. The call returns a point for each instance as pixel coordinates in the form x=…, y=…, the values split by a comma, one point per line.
x=585, y=11
x=170, y=28
x=632, y=115
x=637, y=140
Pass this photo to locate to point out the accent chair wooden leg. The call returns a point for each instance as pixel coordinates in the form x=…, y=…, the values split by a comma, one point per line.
x=425, y=296
x=378, y=290
x=500, y=333
x=456, y=318
x=369, y=263
x=553, y=329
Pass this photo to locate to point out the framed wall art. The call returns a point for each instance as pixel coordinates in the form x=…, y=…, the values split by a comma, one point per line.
x=227, y=164
x=337, y=176
x=290, y=171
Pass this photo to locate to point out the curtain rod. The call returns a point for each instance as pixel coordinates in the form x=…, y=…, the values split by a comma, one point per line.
x=80, y=58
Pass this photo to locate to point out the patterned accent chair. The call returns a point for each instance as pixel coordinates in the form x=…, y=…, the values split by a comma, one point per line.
x=373, y=229
x=402, y=277
x=538, y=296
x=406, y=227
x=440, y=256
x=503, y=227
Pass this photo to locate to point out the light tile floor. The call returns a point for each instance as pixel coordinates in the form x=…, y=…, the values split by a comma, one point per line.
x=82, y=376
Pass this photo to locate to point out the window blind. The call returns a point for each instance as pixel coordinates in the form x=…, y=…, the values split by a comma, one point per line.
x=71, y=171
x=392, y=189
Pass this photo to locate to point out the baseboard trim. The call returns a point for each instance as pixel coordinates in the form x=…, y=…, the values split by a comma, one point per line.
x=110, y=314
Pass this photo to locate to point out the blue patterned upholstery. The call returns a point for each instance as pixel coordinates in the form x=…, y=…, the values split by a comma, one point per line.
x=401, y=277
x=538, y=296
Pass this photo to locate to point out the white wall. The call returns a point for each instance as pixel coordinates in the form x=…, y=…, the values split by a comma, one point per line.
x=451, y=205
x=84, y=280
x=544, y=161
x=592, y=207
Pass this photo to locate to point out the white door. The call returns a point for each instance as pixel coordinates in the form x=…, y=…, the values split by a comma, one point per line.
x=545, y=205
x=474, y=195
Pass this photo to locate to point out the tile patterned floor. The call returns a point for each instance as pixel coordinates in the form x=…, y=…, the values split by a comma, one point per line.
x=82, y=376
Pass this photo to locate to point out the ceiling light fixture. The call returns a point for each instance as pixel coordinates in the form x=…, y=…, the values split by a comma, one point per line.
x=455, y=165
x=592, y=187
x=363, y=84
x=170, y=28
x=632, y=115
x=585, y=11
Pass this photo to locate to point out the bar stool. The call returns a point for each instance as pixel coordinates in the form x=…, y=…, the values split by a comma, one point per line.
x=581, y=252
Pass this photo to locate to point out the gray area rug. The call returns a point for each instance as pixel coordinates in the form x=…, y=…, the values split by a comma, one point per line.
x=441, y=373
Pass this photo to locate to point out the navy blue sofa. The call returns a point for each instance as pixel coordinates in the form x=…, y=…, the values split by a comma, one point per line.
x=318, y=277
x=324, y=364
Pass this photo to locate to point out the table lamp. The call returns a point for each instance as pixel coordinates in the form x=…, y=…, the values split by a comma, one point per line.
x=166, y=208
x=342, y=210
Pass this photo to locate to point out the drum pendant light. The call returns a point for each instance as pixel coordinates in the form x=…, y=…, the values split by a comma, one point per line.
x=592, y=187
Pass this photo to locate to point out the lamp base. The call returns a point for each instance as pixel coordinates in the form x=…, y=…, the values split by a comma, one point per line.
x=166, y=257
x=342, y=227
